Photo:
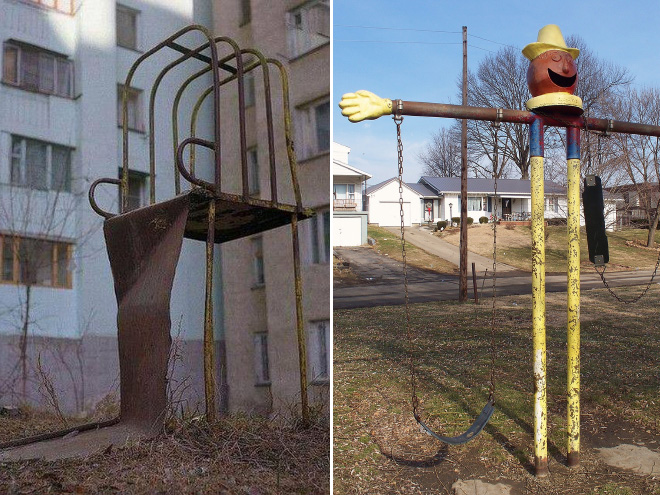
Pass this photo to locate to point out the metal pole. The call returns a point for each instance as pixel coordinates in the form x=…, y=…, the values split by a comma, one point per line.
x=462, y=265
x=538, y=298
x=300, y=330
x=573, y=291
x=474, y=284
x=209, y=339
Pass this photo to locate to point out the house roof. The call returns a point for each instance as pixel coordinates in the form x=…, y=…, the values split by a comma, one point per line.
x=477, y=185
x=422, y=189
x=380, y=185
x=341, y=168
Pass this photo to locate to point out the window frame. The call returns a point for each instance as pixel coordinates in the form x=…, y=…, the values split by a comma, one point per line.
x=56, y=5
x=254, y=178
x=307, y=129
x=258, y=267
x=61, y=66
x=48, y=169
x=300, y=40
x=319, y=345
x=143, y=178
x=17, y=268
x=319, y=237
x=136, y=19
x=472, y=200
x=138, y=111
x=261, y=359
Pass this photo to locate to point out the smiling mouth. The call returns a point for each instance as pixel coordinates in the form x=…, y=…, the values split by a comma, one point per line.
x=559, y=80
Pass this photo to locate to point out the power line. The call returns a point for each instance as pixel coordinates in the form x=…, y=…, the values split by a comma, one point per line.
x=402, y=42
x=427, y=31
x=398, y=29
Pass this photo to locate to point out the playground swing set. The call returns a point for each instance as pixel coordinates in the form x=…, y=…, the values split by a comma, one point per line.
x=144, y=244
x=552, y=79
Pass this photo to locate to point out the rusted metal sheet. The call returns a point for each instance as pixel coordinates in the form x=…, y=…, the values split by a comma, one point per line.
x=144, y=247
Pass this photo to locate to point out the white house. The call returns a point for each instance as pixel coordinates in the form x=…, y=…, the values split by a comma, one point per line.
x=349, y=219
x=438, y=198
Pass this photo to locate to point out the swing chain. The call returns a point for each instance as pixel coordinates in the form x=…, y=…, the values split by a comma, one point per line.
x=636, y=298
x=398, y=119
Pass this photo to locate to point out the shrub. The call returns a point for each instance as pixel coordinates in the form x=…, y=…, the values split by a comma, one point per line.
x=456, y=220
x=442, y=225
x=483, y=219
x=556, y=221
x=470, y=220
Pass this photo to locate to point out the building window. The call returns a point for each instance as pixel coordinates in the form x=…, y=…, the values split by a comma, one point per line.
x=64, y=6
x=40, y=165
x=318, y=350
x=137, y=188
x=258, y=261
x=552, y=204
x=127, y=20
x=474, y=204
x=313, y=129
x=133, y=107
x=250, y=98
x=35, y=69
x=253, y=171
x=320, y=237
x=308, y=27
x=246, y=12
x=261, y=368
x=30, y=261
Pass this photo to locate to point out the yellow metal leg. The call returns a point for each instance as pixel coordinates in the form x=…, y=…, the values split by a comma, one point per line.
x=573, y=333
x=538, y=318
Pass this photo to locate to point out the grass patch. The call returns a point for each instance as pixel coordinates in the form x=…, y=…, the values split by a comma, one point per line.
x=389, y=244
x=514, y=247
x=620, y=376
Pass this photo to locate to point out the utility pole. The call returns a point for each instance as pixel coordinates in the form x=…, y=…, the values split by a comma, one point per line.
x=462, y=267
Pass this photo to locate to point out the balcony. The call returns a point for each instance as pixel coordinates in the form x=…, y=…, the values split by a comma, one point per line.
x=345, y=204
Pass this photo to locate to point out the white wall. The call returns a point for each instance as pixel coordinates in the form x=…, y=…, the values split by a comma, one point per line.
x=384, y=208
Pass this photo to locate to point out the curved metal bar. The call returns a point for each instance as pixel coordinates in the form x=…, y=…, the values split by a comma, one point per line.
x=293, y=164
x=181, y=166
x=175, y=119
x=470, y=433
x=92, y=200
x=127, y=84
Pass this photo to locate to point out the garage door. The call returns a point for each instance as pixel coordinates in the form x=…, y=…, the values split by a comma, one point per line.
x=389, y=214
x=346, y=231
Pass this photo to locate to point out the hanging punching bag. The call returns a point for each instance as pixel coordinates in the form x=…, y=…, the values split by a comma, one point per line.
x=594, y=217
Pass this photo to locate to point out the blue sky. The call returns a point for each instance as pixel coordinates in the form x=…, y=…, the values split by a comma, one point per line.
x=385, y=62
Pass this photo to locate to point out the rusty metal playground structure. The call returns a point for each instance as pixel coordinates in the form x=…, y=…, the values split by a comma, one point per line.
x=144, y=244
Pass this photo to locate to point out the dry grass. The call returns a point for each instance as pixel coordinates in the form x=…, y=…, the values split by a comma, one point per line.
x=239, y=454
x=378, y=448
x=388, y=244
x=514, y=247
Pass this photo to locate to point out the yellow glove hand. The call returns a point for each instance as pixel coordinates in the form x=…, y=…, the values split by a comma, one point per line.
x=364, y=105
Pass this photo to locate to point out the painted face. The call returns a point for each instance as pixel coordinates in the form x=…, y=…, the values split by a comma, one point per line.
x=553, y=71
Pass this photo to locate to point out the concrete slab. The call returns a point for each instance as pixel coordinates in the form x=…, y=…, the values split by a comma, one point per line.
x=478, y=487
x=74, y=445
x=640, y=460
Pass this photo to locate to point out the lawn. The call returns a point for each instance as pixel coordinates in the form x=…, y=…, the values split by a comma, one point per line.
x=514, y=247
x=378, y=447
x=389, y=244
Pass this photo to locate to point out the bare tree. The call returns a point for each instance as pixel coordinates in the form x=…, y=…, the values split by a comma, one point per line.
x=639, y=155
x=442, y=156
x=501, y=82
x=39, y=227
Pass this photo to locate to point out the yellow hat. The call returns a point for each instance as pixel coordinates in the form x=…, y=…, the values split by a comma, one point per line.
x=550, y=38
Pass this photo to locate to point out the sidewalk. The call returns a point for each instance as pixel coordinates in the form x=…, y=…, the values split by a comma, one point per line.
x=424, y=239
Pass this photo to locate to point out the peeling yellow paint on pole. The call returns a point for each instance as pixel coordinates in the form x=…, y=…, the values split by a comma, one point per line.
x=573, y=329
x=538, y=317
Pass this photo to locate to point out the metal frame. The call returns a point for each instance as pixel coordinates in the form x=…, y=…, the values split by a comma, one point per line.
x=208, y=195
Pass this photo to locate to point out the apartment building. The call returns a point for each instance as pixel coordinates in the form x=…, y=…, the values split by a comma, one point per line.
x=63, y=66
x=258, y=278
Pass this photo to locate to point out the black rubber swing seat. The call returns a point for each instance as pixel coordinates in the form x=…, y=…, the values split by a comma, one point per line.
x=471, y=432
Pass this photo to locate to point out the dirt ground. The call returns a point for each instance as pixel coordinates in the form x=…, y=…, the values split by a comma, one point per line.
x=235, y=455
x=378, y=447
